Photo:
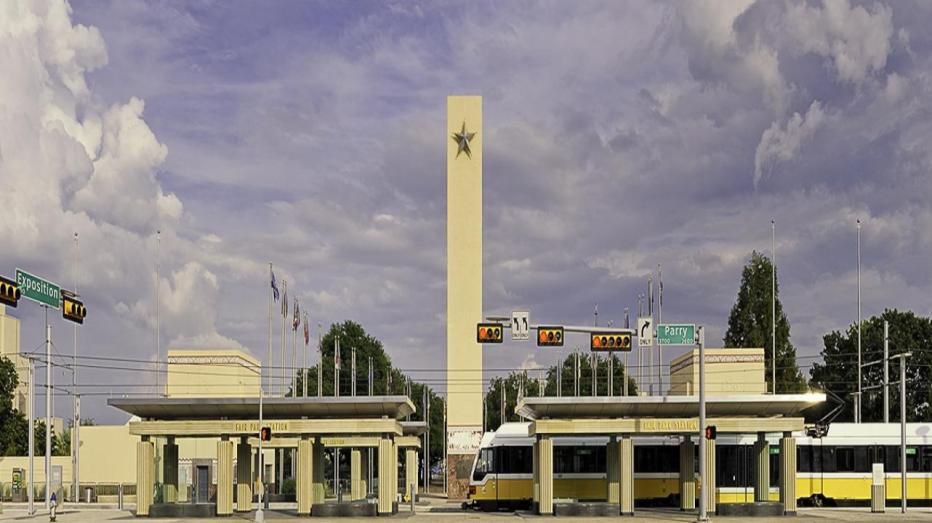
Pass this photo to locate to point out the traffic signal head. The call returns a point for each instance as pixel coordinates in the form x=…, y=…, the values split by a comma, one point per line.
x=550, y=336
x=711, y=432
x=610, y=341
x=73, y=310
x=9, y=292
x=265, y=434
x=489, y=333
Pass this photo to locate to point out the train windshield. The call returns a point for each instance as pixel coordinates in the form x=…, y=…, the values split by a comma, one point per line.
x=484, y=464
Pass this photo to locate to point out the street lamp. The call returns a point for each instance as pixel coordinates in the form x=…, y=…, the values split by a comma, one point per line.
x=903, y=357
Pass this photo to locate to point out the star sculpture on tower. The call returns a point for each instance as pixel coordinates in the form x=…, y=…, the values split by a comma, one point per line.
x=462, y=139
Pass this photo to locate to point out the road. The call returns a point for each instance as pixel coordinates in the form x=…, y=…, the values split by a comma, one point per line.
x=431, y=514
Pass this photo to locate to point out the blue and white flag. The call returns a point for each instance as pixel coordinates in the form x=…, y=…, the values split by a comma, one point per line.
x=285, y=298
x=274, y=286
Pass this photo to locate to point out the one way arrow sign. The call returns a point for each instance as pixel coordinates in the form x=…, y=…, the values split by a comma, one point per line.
x=645, y=332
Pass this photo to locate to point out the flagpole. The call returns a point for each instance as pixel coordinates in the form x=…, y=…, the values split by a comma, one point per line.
x=158, y=342
x=773, y=306
x=857, y=415
x=304, y=359
x=320, y=364
x=271, y=298
x=294, y=350
x=281, y=378
x=659, y=321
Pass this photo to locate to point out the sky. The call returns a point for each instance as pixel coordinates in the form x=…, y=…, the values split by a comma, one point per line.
x=311, y=135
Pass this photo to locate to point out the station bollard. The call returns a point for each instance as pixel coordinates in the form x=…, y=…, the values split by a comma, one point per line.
x=87, y=495
x=411, y=490
x=119, y=496
x=878, y=489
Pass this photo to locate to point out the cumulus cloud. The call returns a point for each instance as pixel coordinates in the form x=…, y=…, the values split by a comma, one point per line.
x=854, y=40
x=72, y=162
x=782, y=144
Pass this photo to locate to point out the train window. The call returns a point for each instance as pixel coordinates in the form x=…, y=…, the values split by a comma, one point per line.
x=912, y=458
x=861, y=462
x=828, y=459
x=485, y=464
x=563, y=460
x=804, y=458
x=925, y=462
x=728, y=464
x=590, y=459
x=514, y=460
x=775, y=465
x=892, y=461
x=645, y=458
x=844, y=459
x=876, y=454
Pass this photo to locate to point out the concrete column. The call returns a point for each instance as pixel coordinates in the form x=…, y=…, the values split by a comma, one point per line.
x=145, y=476
x=535, y=474
x=170, y=471
x=788, y=473
x=626, y=476
x=545, y=468
x=613, y=470
x=386, y=471
x=305, y=464
x=224, y=476
x=410, y=473
x=243, y=475
x=708, y=482
x=762, y=468
x=357, y=482
x=687, y=474
x=318, y=492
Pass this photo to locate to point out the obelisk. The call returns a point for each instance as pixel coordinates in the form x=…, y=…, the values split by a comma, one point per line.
x=464, y=288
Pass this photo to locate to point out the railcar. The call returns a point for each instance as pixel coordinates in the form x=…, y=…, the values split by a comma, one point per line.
x=835, y=469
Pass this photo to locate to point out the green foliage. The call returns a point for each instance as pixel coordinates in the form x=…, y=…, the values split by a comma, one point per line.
x=512, y=385
x=838, y=371
x=386, y=379
x=750, y=324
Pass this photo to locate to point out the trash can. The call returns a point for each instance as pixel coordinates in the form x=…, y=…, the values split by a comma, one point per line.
x=878, y=489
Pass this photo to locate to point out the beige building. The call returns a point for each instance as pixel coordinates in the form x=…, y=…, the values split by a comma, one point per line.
x=9, y=348
x=727, y=371
x=212, y=373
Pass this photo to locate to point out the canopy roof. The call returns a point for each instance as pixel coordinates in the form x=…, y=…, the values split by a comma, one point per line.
x=391, y=407
x=743, y=405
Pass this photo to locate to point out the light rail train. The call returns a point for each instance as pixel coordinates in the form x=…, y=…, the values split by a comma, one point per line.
x=832, y=470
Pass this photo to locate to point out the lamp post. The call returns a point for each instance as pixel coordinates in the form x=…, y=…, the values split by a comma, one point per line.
x=903, y=357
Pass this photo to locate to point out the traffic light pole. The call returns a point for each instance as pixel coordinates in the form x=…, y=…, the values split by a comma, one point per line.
x=260, y=516
x=703, y=516
x=48, y=409
x=32, y=435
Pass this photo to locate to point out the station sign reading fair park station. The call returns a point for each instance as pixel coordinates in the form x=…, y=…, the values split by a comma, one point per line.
x=676, y=334
x=38, y=290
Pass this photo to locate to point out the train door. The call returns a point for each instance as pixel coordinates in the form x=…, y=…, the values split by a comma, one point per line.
x=486, y=478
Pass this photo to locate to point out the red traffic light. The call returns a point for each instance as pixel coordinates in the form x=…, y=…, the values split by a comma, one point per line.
x=489, y=333
x=610, y=341
x=550, y=336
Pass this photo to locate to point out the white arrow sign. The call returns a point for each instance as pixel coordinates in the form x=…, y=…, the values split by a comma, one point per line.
x=645, y=332
x=520, y=326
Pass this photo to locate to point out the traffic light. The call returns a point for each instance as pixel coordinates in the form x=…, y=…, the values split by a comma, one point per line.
x=72, y=309
x=610, y=341
x=9, y=292
x=265, y=434
x=711, y=432
x=489, y=333
x=549, y=336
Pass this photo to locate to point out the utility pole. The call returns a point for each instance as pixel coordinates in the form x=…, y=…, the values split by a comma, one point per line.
x=32, y=435
x=703, y=516
x=320, y=364
x=48, y=409
x=158, y=305
x=857, y=412
x=902, y=358
x=773, y=308
x=76, y=401
x=886, y=371
x=336, y=367
x=260, y=516
x=353, y=367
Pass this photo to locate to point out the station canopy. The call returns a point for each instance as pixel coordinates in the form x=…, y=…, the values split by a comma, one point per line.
x=389, y=407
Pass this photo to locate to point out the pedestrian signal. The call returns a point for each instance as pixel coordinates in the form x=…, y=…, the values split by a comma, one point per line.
x=550, y=336
x=610, y=341
x=489, y=333
x=9, y=292
x=711, y=432
x=265, y=434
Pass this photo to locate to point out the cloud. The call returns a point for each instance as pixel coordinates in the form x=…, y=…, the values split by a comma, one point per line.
x=782, y=144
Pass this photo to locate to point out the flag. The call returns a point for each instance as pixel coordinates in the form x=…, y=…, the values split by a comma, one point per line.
x=650, y=295
x=274, y=286
x=336, y=357
x=297, y=316
x=285, y=298
x=307, y=332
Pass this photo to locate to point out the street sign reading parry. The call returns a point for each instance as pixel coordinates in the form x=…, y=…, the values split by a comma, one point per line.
x=38, y=290
x=676, y=334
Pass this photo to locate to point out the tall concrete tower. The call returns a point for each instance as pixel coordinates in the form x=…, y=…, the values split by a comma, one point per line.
x=464, y=288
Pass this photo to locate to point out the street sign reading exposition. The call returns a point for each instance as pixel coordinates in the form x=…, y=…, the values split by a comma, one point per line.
x=676, y=334
x=38, y=290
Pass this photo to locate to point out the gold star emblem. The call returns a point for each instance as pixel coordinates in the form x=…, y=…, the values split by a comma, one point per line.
x=462, y=139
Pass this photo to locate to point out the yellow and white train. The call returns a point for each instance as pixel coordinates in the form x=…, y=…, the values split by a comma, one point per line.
x=835, y=469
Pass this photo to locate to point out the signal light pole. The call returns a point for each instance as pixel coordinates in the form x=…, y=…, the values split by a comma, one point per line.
x=902, y=358
x=703, y=516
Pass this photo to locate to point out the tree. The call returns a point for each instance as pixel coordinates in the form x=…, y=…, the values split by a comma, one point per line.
x=838, y=371
x=518, y=382
x=386, y=379
x=750, y=324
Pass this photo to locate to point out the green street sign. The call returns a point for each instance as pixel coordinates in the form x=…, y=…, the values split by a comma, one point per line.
x=676, y=334
x=38, y=290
